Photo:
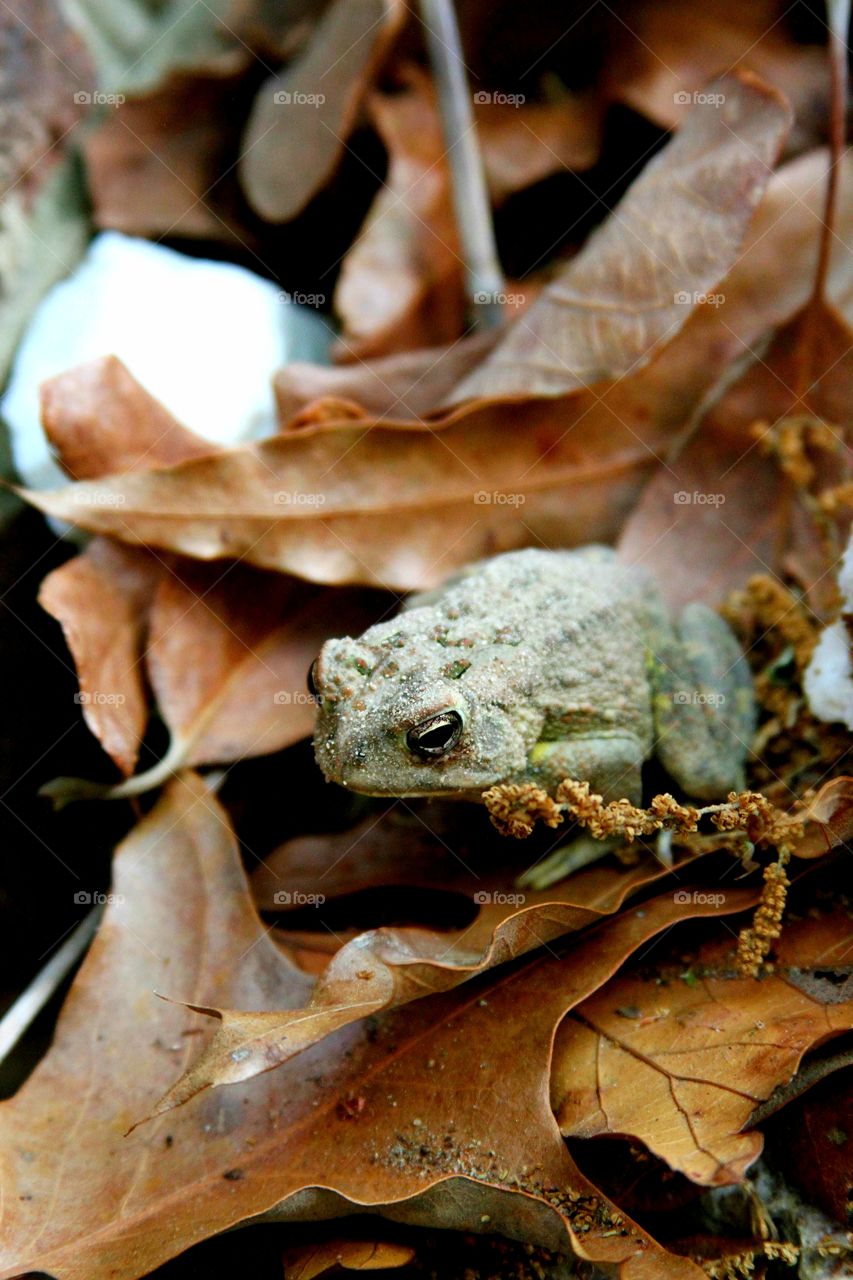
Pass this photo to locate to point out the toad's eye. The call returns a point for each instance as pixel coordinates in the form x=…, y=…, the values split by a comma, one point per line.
x=311, y=680
x=435, y=736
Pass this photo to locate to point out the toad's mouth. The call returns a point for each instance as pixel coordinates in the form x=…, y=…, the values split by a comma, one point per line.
x=420, y=793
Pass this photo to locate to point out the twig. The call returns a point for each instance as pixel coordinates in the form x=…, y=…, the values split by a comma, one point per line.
x=838, y=13
x=483, y=275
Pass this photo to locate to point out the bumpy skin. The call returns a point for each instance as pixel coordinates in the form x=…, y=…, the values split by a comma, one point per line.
x=559, y=664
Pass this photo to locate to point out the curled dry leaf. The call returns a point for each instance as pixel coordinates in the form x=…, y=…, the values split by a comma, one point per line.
x=377, y=1117
x=697, y=1050
x=629, y=290
x=101, y=599
x=302, y=117
x=385, y=968
x=99, y=420
x=393, y=505
x=830, y=817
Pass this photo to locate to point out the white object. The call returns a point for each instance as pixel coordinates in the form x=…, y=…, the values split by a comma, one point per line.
x=828, y=681
x=203, y=337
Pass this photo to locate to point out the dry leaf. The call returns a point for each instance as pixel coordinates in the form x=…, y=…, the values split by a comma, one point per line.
x=381, y=1118
x=302, y=117
x=385, y=968
x=813, y=1145
x=831, y=811
x=723, y=499
x=304, y=1262
x=393, y=505
x=101, y=599
x=684, y=1071
x=99, y=419
x=524, y=143
x=160, y=165
x=633, y=285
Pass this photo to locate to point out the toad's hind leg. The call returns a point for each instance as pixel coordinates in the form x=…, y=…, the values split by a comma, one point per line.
x=704, y=708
